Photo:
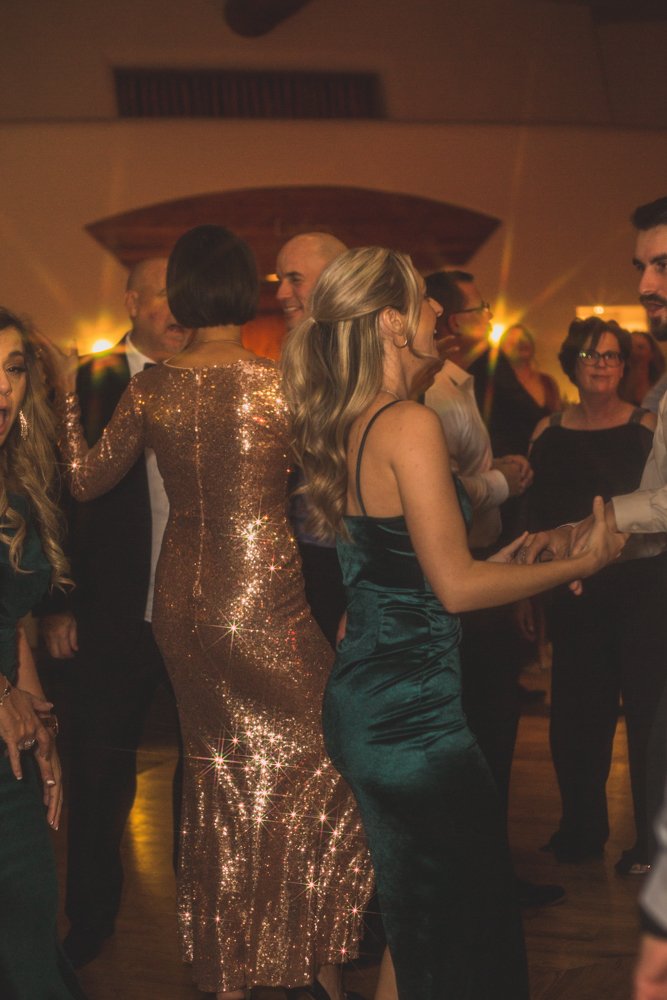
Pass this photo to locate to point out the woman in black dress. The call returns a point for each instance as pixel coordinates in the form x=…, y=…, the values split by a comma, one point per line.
x=609, y=642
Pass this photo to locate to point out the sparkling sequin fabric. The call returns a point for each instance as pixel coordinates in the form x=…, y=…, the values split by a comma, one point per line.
x=274, y=869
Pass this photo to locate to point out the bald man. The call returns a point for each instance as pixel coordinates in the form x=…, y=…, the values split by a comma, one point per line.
x=106, y=628
x=299, y=264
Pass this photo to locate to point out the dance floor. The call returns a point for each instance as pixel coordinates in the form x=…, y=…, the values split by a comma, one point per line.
x=580, y=950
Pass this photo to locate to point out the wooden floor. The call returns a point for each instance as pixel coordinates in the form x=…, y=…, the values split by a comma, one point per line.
x=580, y=950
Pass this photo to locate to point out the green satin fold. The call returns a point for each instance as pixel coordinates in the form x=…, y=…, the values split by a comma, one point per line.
x=32, y=964
x=395, y=729
x=19, y=592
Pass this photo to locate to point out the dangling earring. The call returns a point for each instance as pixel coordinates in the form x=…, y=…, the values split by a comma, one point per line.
x=23, y=423
x=404, y=344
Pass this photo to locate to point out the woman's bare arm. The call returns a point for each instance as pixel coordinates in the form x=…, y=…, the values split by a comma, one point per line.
x=411, y=439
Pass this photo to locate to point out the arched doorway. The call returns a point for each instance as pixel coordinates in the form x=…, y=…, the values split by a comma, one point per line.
x=434, y=233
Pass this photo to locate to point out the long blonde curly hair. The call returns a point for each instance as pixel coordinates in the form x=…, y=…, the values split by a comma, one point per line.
x=28, y=463
x=332, y=366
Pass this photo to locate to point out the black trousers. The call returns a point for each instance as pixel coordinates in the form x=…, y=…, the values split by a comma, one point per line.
x=609, y=644
x=325, y=592
x=114, y=680
x=491, y=657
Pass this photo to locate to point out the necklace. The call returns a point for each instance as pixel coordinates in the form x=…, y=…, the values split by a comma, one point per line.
x=221, y=340
x=390, y=392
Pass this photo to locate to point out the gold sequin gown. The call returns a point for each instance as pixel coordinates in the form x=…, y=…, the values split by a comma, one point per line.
x=274, y=870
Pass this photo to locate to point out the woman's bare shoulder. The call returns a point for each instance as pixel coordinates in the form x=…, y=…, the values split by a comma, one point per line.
x=408, y=411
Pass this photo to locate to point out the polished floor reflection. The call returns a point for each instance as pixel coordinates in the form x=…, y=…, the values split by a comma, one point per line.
x=580, y=950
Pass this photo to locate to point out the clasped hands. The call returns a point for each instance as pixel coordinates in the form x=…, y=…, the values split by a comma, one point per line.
x=517, y=471
x=597, y=533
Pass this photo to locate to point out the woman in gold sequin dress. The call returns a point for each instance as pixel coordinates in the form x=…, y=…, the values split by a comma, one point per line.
x=273, y=869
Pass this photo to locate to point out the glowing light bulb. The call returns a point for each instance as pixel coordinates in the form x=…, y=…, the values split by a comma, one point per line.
x=497, y=330
x=101, y=345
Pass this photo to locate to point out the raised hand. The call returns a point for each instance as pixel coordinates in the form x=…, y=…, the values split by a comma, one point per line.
x=64, y=363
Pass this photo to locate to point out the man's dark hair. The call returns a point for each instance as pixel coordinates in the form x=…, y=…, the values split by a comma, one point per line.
x=588, y=331
x=212, y=278
x=443, y=286
x=651, y=215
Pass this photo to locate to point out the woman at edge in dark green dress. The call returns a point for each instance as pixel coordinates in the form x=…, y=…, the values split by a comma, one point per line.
x=32, y=966
x=378, y=477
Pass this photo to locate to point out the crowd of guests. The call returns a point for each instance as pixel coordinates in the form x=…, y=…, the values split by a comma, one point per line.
x=176, y=449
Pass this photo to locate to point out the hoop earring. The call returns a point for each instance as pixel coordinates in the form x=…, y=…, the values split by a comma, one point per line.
x=404, y=344
x=23, y=424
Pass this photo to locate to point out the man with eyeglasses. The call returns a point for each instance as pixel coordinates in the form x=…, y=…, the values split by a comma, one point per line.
x=509, y=412
x=490, y=650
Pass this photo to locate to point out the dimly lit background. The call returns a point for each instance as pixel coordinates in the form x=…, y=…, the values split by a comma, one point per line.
x=544, y=119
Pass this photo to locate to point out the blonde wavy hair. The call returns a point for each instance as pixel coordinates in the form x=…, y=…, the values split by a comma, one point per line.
x=332, y=368
x=28, y=464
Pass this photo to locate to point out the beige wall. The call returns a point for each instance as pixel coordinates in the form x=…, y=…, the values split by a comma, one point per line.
x=440, y=60
x=564, y=196
x=457, y=77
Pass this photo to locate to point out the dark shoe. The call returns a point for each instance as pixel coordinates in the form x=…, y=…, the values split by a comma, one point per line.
x=632, y=863
x=82, y=946
x=530, y=894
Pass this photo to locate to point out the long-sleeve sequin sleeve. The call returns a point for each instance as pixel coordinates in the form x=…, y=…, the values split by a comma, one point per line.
x=90, y=472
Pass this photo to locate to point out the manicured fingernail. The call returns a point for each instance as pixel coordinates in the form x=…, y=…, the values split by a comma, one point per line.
x=50, y=783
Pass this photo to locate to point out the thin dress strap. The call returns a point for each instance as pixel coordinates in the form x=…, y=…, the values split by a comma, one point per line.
x=638, y=415
x=362, y=445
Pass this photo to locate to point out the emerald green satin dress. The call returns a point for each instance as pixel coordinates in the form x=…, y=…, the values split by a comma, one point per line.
x=395, y=729
x=32, y=965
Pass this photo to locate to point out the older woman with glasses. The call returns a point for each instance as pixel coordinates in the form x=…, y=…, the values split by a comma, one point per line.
x=609, y=642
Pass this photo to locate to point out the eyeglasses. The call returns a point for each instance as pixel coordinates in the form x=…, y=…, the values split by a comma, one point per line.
x=611, y=358
x=482, y=307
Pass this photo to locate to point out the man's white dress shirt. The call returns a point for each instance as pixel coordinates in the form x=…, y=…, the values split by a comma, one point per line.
x=452, y=396
x=158, y=498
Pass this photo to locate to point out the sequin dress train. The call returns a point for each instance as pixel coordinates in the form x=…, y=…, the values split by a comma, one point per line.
x=274, y=870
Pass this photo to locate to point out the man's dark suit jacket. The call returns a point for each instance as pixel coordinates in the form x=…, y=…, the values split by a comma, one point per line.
x=109, y=538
